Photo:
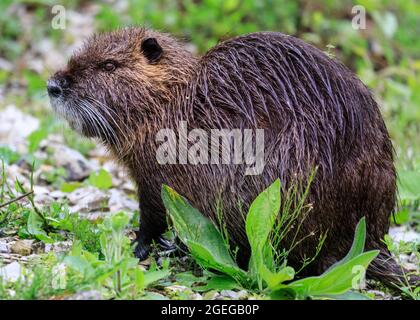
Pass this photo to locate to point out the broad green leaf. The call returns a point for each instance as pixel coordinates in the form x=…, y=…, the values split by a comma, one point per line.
x=209, y=260
x=336, y=281
x=259, y=223
x=219, y=283
x=188, y=279
x=153, y=276
x=402, y=216
x=139, y=278
x=35, y=227
x=357, y=246
x=118, y=221
x=79, y=264
x=70, y=186
x=283, y=293
x=198, y=233
x=274, y=279
x=100, y=179
x=262, y=215
x=350, y=295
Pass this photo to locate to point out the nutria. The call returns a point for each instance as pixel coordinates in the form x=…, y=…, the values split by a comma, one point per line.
x=123, y=87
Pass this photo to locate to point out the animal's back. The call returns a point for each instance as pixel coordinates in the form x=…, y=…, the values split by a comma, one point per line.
x=315, y=113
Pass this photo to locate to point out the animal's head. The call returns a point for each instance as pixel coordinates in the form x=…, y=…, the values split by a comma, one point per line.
x=117, y=79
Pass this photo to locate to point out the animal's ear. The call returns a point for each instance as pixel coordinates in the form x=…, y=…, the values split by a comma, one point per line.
x=151, y=50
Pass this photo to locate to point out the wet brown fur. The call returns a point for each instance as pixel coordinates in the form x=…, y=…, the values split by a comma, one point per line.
x=315, y=112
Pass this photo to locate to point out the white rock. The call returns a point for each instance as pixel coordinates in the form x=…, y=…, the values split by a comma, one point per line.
x=40, y=190
x=43, y=200
x=402, y=233
x=4, y=246
x=11, y=272
x=196, y=296
x=91, y=216
x=57, y=194
x=5, y=65
x=53, y=140
x=86, y=295
x=88, y=199
x=99, y=152
x=176, y=288
x=76, y=165
x=22, y=247
x=119, y=201
x=42, y=195
x=61, y=246
x=14, y=172
x=229, y=294
x=15, y=127
x=243, y=294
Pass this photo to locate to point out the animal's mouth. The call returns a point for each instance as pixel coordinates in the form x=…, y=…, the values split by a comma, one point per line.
x=83, y=116
x=66, y=110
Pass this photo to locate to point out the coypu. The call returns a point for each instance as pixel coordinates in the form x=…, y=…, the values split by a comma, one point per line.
x=124, y=86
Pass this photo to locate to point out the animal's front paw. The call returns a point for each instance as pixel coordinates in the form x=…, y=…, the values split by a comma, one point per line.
x=142, y=250
x=166, y=244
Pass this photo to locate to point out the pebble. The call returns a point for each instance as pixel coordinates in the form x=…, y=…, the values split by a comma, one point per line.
x=243, y=295
x=119, y=201
x=4, y=246
x=229, y=294
x=76, y=165
x=57, y=194
x=11, y=272
x=211, y=295
x=176, y=288
x=402, y=233
x=43, y=200
x=196, y=296
x=88, y=199
x=15, y=127
x=86, y=295
x=58, y=247
x=22, y=247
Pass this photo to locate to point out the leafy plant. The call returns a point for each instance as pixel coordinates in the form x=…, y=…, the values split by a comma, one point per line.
x=200, y=235
x=119, y=270
x=210, y=251
x=100, y=179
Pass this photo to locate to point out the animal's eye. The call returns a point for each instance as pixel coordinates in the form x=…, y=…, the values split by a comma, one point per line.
x=109, y=66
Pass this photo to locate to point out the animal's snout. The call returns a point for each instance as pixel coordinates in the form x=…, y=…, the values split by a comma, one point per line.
x=57, y=84
x=54, y=89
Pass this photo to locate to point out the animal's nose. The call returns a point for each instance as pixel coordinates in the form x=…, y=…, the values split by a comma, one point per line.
x=54, y=88
x=57, y=84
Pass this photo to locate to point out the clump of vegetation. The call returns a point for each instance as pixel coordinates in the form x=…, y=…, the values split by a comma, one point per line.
x=265, y=272
x=112, y=271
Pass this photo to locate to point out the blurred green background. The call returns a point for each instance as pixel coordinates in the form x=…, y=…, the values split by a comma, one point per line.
x=385, y=55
